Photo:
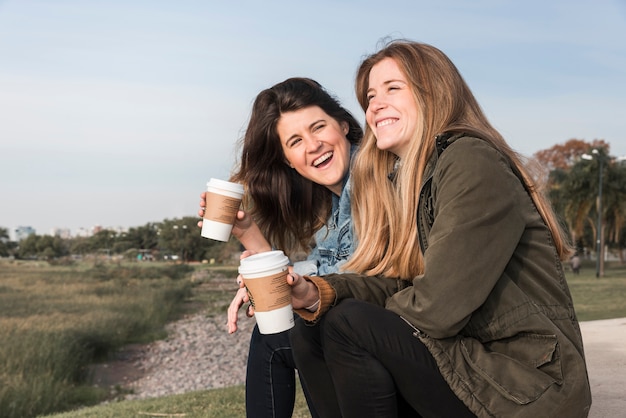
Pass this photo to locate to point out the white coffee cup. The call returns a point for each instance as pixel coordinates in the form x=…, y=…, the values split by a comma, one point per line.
x=265, y=277
x=223, y=199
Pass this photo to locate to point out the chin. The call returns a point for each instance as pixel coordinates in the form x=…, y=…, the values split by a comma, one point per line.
x=382, y=146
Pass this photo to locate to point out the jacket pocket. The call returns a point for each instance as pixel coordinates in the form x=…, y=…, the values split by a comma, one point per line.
x=521, y=367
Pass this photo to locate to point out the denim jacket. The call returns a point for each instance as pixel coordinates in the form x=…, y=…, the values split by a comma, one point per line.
x=334, y=242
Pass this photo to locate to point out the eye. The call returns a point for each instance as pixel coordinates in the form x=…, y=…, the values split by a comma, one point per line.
x=318, y=127
x=293, y=142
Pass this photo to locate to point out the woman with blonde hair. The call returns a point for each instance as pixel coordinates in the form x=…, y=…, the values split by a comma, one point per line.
x=459, y=303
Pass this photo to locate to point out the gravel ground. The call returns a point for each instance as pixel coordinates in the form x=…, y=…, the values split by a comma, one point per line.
x=198, y=354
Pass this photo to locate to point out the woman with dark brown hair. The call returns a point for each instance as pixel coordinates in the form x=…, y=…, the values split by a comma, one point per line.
x=295, y=168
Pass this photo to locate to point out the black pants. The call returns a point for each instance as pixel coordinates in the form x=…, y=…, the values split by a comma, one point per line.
x=271, y=377
x=362, y=360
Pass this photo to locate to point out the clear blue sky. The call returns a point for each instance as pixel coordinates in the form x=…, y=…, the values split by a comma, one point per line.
x=117, y=113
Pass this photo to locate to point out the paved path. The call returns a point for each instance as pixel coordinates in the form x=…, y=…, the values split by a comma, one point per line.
x=605, y=350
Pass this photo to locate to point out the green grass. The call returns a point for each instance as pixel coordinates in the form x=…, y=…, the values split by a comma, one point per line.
x=41, y=299
x=599, y=298
x=55, y=321
x=215, y=403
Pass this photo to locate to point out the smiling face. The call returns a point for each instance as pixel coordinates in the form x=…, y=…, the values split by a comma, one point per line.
x=392, y=111
x=315, y=145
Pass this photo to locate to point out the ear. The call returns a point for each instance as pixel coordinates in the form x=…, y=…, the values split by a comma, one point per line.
x=345, y=127
x=288, y=163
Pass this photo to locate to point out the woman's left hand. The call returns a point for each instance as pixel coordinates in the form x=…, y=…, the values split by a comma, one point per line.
x=303, y=292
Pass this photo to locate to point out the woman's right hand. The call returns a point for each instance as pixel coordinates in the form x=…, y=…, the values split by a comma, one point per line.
x=240, y=298
x=244, y=229
x=202, y=208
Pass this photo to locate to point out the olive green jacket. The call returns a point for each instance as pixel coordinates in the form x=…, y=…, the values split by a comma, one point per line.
x=493, y=306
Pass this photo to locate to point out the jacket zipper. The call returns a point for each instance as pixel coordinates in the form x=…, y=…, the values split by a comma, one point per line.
x=420, y=228
x=417, y=333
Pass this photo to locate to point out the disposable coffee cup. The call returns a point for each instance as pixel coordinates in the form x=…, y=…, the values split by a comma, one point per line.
x=223, y=199
x=265, y=277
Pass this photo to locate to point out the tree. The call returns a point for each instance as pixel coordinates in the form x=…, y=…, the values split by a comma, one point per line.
x=181, y=237
x=42, y=246
x=576, y=189
x=4, y=242
x=143, y=237
x=566, y=188
x=564, y=156
x=560, y=157
x=103, y=240
x=574, y=192
x=79, y=246
x=614, y=205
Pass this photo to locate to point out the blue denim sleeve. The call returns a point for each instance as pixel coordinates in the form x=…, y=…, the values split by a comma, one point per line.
x=306, y=267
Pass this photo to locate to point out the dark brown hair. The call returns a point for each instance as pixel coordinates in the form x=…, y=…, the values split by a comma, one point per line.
x=288, y=208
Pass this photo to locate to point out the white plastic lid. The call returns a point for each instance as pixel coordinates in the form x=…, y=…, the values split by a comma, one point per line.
x=262, y=262
x=225, y=185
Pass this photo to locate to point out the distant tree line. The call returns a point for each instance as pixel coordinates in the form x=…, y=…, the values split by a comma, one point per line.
x=569, y=172
x=171, y=239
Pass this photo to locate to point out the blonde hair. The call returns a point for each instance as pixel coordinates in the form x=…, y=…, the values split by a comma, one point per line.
x=384, y=212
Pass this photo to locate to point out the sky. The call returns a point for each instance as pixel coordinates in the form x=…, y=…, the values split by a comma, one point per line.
x=116, y=113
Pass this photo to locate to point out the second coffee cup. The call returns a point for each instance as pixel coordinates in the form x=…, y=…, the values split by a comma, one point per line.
x=265, y=277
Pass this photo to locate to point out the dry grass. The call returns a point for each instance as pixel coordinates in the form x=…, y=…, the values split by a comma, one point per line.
x=55, y=321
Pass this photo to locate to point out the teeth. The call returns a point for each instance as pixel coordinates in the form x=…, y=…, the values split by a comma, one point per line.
x=323, y=158
x=385, y=122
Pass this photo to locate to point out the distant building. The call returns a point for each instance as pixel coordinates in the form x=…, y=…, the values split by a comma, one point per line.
x=63, y=233
x=22, y=232
x=83, y=232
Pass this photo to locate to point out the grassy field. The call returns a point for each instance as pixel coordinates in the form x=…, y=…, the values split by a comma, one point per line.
x=55, y=321
x=599, y=298
x=215, y=403
x=51, y=314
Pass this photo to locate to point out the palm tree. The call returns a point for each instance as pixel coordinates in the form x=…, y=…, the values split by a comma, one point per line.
x=579, y=195
x=614, y=204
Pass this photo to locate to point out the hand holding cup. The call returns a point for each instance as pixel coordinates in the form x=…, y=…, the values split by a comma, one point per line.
x=222, y=201
x=265, y=277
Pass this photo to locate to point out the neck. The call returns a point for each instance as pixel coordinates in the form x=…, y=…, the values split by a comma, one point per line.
x=336, y=189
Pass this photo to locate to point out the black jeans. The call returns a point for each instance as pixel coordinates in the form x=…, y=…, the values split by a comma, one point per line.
x=271, y=376
x=362, y=360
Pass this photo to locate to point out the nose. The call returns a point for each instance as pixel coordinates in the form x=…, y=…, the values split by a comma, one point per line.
x=375, y=104
x=312, y=144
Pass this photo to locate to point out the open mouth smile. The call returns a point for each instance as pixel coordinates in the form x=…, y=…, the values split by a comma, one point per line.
x=322, y=159
x=385, y=122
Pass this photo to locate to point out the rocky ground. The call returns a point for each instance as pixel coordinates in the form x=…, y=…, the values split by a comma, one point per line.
x=198, y=354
